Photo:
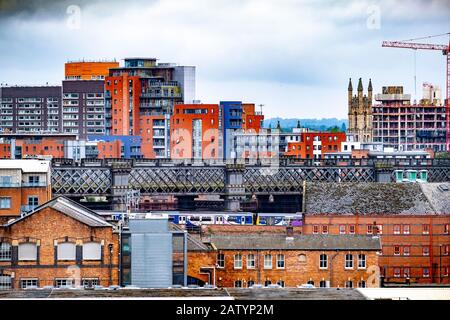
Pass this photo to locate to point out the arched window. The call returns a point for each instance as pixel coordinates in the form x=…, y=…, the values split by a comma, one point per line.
x=250, y=283
x=238, y=284
x=66, y=251
x=311, y=282
x=349, y=284
x=92, y=251
x=267, y=283
x=280, y=283
x=323, y=284
x=361, y=284
x=27, y=251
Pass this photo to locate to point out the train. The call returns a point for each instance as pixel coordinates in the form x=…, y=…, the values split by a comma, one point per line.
x=198, y=218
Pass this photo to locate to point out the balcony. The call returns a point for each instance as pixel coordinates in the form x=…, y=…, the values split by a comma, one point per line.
x=34, y=184
x=9, y=185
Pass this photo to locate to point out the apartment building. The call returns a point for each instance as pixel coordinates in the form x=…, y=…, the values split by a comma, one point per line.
x=88, y=70
x=195, y=131
x=252, y=120
x=30, y=109
x=24, y=184
x=288, y=260
x=412, y=221
x=83, y=111
x=406, y=126
x=60, y=244
x=231, y=121
x=315, y=145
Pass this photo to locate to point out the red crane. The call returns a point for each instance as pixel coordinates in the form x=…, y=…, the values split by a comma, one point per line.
x=445, y=49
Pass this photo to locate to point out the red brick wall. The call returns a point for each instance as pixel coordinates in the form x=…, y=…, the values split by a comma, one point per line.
x=416, y=240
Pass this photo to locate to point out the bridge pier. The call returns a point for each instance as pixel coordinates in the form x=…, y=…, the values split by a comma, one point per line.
x=120, y=186
x=234, y=186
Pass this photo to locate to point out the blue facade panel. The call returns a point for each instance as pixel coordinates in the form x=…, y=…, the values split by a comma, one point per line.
x=231, y=120
x=131, y=144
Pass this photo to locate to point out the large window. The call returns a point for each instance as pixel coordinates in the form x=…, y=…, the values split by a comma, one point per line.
x=238, y=261
x=342, y=228
x=250, y=261
x=33, y=201
x=5, y=251
x=361, y=284
x=250, y=283
x=268, y=261
x=280, y=261
x=406, y=229
x=89, y=282
x=323, y=261
x=66, y=251
x=238, y=284
x=425, y=229
x=92, y=251
x=27, y=251
x=220, y=260
x=361, y=261
x=5, y=282
x=64, y=283
x=28, y=283
x=348, y=261
x=349, y=284
x=397, y=229
x=5, y=203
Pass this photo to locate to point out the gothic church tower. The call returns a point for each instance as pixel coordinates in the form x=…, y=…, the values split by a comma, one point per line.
x=360, y=113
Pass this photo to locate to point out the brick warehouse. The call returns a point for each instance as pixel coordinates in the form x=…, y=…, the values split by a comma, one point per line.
x=59, y=244
x=288, y=260
x=412, y=221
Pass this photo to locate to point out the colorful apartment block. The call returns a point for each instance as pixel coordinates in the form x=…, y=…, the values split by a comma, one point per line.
x=314, y=145
x=88, y=70
x=195, y=131
x=252, y=121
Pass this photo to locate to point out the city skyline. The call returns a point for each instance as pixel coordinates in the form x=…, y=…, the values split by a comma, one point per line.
x=244, y=51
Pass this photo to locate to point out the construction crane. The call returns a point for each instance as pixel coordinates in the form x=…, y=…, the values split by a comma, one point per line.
x=445, y=49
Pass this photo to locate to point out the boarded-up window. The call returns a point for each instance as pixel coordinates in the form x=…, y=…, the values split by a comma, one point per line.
x=27, y=252
x=66, y=251
x=92, y=251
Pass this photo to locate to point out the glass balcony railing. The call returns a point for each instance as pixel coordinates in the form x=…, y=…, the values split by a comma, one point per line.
x=33, y=184
x=9, y=185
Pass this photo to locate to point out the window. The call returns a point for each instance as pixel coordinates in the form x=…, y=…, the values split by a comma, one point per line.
x=379, y=229
x=267, y=283
x=92, y=251
x=342, y=229
x=280, y=261
x=5, y=203
x=446, y=269
x=351, y=229
x=89, y=282
x=268, y=261
x=446, y=250
x=323, y=261
x=33, y=201
x=406, y=272
x=406, y=250
x=323, y=284
x=302, y=258
x=28, y=283
x=361, y=284
x=425, y=229
x=238, y=284
x=27, y=251
x=250, y=283
x=33, y=180
x=348, y=261
x=425, y=251
x=397, y=229
x=315, y=229
x=251, y=261
x=5, y=251
x=280, y=283
x=62, y=283
x=396, y=272
x=324, y=229
x=5, y=282
x=349, y=284
x=396, y=250
x=361, y=261
x=426, y=272
x=369, y=229
x=406, y=229
x=66, y=251
x=446, y=228
x=238, y=261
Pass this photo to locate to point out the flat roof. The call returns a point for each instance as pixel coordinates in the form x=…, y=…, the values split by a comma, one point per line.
x=28, y=165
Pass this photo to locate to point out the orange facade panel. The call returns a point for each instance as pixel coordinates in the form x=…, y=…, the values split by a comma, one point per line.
x=108, y=149
x=185, y=135
x=88, y=70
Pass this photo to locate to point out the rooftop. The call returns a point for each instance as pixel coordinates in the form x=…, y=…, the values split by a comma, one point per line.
x=373, y=198
x=28, y=165
x=297, y=242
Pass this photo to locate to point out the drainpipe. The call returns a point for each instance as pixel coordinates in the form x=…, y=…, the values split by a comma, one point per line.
x=110, y=247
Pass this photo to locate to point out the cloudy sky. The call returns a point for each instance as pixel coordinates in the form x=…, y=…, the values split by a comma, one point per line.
x=293, y=56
